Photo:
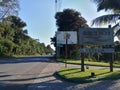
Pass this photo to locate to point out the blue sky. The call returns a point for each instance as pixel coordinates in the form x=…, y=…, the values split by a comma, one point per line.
x=39, y=15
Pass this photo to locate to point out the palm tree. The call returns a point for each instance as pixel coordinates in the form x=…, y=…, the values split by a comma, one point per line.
x=112, y=6
x=107, y=5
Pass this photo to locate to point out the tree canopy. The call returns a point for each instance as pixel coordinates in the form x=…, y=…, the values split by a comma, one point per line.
x=69, y=20
x=8, y=8
x=114, y=17
x=14, y=40
x=108, y=5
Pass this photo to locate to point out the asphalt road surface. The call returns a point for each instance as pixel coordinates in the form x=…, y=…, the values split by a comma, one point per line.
x=18, y=74
x=37, y=73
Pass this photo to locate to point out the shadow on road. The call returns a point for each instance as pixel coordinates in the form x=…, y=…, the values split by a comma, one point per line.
x=19, y=84
x=44, y=84
x=56, y=85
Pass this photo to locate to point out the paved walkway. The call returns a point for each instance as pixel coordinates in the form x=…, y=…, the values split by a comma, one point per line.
x=47, y=81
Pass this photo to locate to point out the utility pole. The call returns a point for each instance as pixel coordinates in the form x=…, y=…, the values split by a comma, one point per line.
x=58, y=4
x=57, y=9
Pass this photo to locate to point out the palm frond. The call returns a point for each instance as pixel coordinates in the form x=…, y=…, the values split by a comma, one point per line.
x=105, y=19
x=107, y=5
x=116, y=29
x=117, y=33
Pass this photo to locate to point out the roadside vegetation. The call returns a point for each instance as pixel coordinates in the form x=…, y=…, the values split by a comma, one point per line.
x=15, y=41
x=14, y=38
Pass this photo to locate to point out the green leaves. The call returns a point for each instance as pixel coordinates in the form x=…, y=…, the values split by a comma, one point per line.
x=105, y=19
x=69, y=20
x=14, y=40
x=108, y=5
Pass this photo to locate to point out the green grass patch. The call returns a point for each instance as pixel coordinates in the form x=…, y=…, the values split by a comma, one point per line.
x=77, y=76
x=91, y=63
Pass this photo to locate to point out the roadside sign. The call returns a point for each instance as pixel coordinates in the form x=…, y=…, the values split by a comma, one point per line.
x=96, y=36
x=71, y=37
x=60, y=45
x=97, y=50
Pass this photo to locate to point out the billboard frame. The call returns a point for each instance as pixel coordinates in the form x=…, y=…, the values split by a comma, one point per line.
x=96, y=36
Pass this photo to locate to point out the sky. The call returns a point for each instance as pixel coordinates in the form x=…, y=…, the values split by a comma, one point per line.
x=39, y=15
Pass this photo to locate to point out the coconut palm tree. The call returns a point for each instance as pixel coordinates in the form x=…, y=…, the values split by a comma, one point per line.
x=108, y=5
x=112, y=6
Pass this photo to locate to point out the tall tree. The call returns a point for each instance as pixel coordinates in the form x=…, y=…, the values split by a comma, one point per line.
x=114, y=7
x=8, y=8
x=107, y=5
x=69, y=20
x=6, y=31
x=17, y=24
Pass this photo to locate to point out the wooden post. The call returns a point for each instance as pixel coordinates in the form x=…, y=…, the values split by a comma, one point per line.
x=111, y=56
x=111, y=62
x=82, y=61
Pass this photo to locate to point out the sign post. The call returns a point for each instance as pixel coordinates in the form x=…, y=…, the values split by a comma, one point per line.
x=96, y=36
x=82, y=60
x=65, y=38
x=111, y=56
x=66, y=52
x=99, y=37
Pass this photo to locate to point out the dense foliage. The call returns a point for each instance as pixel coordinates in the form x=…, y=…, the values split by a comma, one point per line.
x=14, y=40
x=70, y=20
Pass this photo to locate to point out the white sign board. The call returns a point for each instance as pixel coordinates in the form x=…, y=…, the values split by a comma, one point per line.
x=71, y=37
x=97, y=50
x=96, y=36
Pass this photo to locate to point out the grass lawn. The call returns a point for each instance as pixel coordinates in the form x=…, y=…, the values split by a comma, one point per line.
x=104, y=64
x=75, y=75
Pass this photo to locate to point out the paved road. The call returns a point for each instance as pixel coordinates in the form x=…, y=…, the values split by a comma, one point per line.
x=18, y=74
x=36, y=73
